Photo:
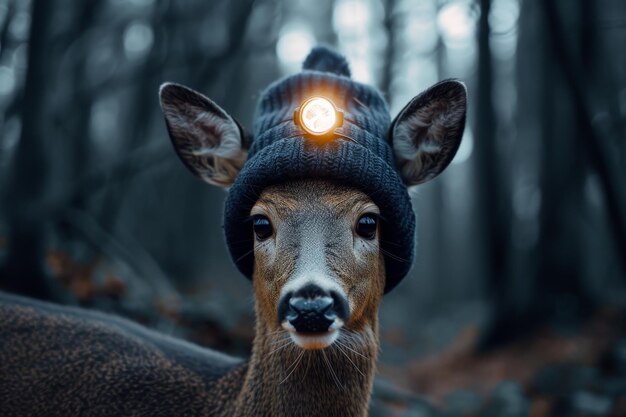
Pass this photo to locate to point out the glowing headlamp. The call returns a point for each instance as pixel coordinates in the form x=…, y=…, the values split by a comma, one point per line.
x=318, y=116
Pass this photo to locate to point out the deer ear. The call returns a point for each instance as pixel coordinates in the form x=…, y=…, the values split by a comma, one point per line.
x=206, y=138
x=427, y=132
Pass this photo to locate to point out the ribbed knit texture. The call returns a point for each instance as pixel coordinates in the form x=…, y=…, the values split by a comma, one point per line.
x=279, y=152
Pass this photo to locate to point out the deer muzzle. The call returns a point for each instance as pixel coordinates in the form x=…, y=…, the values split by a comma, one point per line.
x=312, y=312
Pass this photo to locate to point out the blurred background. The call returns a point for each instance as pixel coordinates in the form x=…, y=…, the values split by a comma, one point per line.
x=516, y=300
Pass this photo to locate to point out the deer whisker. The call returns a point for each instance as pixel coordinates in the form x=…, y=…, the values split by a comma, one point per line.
x=332, y=372
x=352, y=336
x=294, y=365
x=289, y=342
x=339, y=348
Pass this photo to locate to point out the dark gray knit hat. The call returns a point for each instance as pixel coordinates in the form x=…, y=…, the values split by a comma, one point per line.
x=360, y=157
x=366, y=152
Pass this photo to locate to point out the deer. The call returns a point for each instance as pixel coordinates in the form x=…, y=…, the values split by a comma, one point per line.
x=315, y=253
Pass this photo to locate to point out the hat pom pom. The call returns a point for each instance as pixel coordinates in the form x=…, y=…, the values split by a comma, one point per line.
x=324, y=59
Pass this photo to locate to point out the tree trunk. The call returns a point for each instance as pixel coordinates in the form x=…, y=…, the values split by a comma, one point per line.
x=493, y=201
x=23, y=271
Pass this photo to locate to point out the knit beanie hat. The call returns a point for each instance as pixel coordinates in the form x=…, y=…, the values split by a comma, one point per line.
x=360, y=157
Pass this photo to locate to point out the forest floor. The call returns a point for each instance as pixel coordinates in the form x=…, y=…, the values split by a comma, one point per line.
x=577, y=372
x=548, y=373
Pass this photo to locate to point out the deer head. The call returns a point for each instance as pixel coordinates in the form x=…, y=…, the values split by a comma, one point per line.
x=318, y=265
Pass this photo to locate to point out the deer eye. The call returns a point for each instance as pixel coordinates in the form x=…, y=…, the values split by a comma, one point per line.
x=366, y=226
x=262, y=227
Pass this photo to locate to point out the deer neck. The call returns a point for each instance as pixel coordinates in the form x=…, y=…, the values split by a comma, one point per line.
x=284, y=380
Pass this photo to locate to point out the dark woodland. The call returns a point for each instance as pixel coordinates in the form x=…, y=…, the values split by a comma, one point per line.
x=516, y=304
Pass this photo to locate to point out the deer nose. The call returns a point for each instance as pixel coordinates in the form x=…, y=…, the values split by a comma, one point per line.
x=312, y=310
x=311, y=315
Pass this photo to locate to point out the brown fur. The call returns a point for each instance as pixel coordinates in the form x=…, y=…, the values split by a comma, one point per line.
x=60, y=361
x=427, y=132
x=335, y=381
x=207, y=139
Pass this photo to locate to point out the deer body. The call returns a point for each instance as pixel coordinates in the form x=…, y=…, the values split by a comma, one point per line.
x=81, y=362
x=317, y=251
x=60, y=361
x=87, y=362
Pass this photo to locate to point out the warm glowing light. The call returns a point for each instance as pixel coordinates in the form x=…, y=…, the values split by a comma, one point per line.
x=318, y=116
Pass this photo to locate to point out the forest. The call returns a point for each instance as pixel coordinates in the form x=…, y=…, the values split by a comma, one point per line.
x=516, y=304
